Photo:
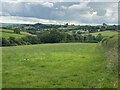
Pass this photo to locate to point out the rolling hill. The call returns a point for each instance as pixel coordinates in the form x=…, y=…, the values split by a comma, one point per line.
x=104, y=33
x=6, y=33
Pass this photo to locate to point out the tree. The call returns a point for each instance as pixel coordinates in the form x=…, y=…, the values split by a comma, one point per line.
x=89, y=38
x=81, y=38
x=79, y=32
x=12, y=41
x=31, y=39
x=0, y=42
x=3, y=27
x=70, y=38
x=73, y=31
x=99, y=37
x=104, y=27
x=17, y=30
x=76, y=37
x=52, y=36
x=5, y=42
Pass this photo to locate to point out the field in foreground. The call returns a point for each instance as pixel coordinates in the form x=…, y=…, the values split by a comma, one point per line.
x=56, y=65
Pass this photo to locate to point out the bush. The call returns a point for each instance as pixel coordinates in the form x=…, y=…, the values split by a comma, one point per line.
x=31, y=39
x=17, y=31
x=99, y=37
x=5, y=42
x=50, y=37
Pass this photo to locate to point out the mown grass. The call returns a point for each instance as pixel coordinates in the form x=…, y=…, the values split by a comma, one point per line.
x=71, y=65
x=6, y=33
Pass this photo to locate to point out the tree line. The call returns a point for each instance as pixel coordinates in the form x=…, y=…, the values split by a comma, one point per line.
x=52, y=36
x=39, y=27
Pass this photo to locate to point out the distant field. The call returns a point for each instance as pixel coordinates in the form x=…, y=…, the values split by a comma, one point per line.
x=72, y=65
x=9, y=33
x=105, y=33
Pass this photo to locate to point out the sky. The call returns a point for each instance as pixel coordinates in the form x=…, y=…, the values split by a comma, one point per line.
x=58, y=12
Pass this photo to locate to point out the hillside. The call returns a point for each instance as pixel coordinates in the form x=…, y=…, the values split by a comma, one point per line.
x=6, y=33
x=105, y=33
x=111, y=47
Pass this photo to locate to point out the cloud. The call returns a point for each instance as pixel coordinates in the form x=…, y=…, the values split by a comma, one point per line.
x=63, y=7
x=4, y=14
x=77, y=12
x=94, y=12
x=48, y=4
x=109, y=13
x=80, y=6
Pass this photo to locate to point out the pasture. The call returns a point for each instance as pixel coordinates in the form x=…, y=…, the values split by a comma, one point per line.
x=69, y=65
x=6, y=33
x=106, y=33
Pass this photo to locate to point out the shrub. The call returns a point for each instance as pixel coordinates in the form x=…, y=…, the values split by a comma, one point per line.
x=5, y=42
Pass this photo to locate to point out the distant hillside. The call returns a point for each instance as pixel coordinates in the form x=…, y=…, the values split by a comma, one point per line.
x=8, y=24
x=6, y=33
x=31, y=26
x=104, y=33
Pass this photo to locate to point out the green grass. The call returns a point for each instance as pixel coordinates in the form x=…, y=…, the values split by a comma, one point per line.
x=69, y=65
x=105, y=33
x=110, y=46
x=9, y=33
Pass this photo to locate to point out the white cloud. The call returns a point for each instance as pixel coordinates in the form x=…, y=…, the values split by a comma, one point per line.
x=48, y=4
x=109, y=13
x=111, y=16
x=63, y=7
x=81, y=6
x=94, y=12
x=91, y=16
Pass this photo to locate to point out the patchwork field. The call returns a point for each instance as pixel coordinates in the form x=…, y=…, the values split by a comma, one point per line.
x=106, y=33
x=69, y=65
x=9, y=33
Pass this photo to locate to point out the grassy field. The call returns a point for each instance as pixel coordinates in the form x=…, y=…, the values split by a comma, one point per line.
x=69, y=65
x=105, y=33
x=9, y=33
